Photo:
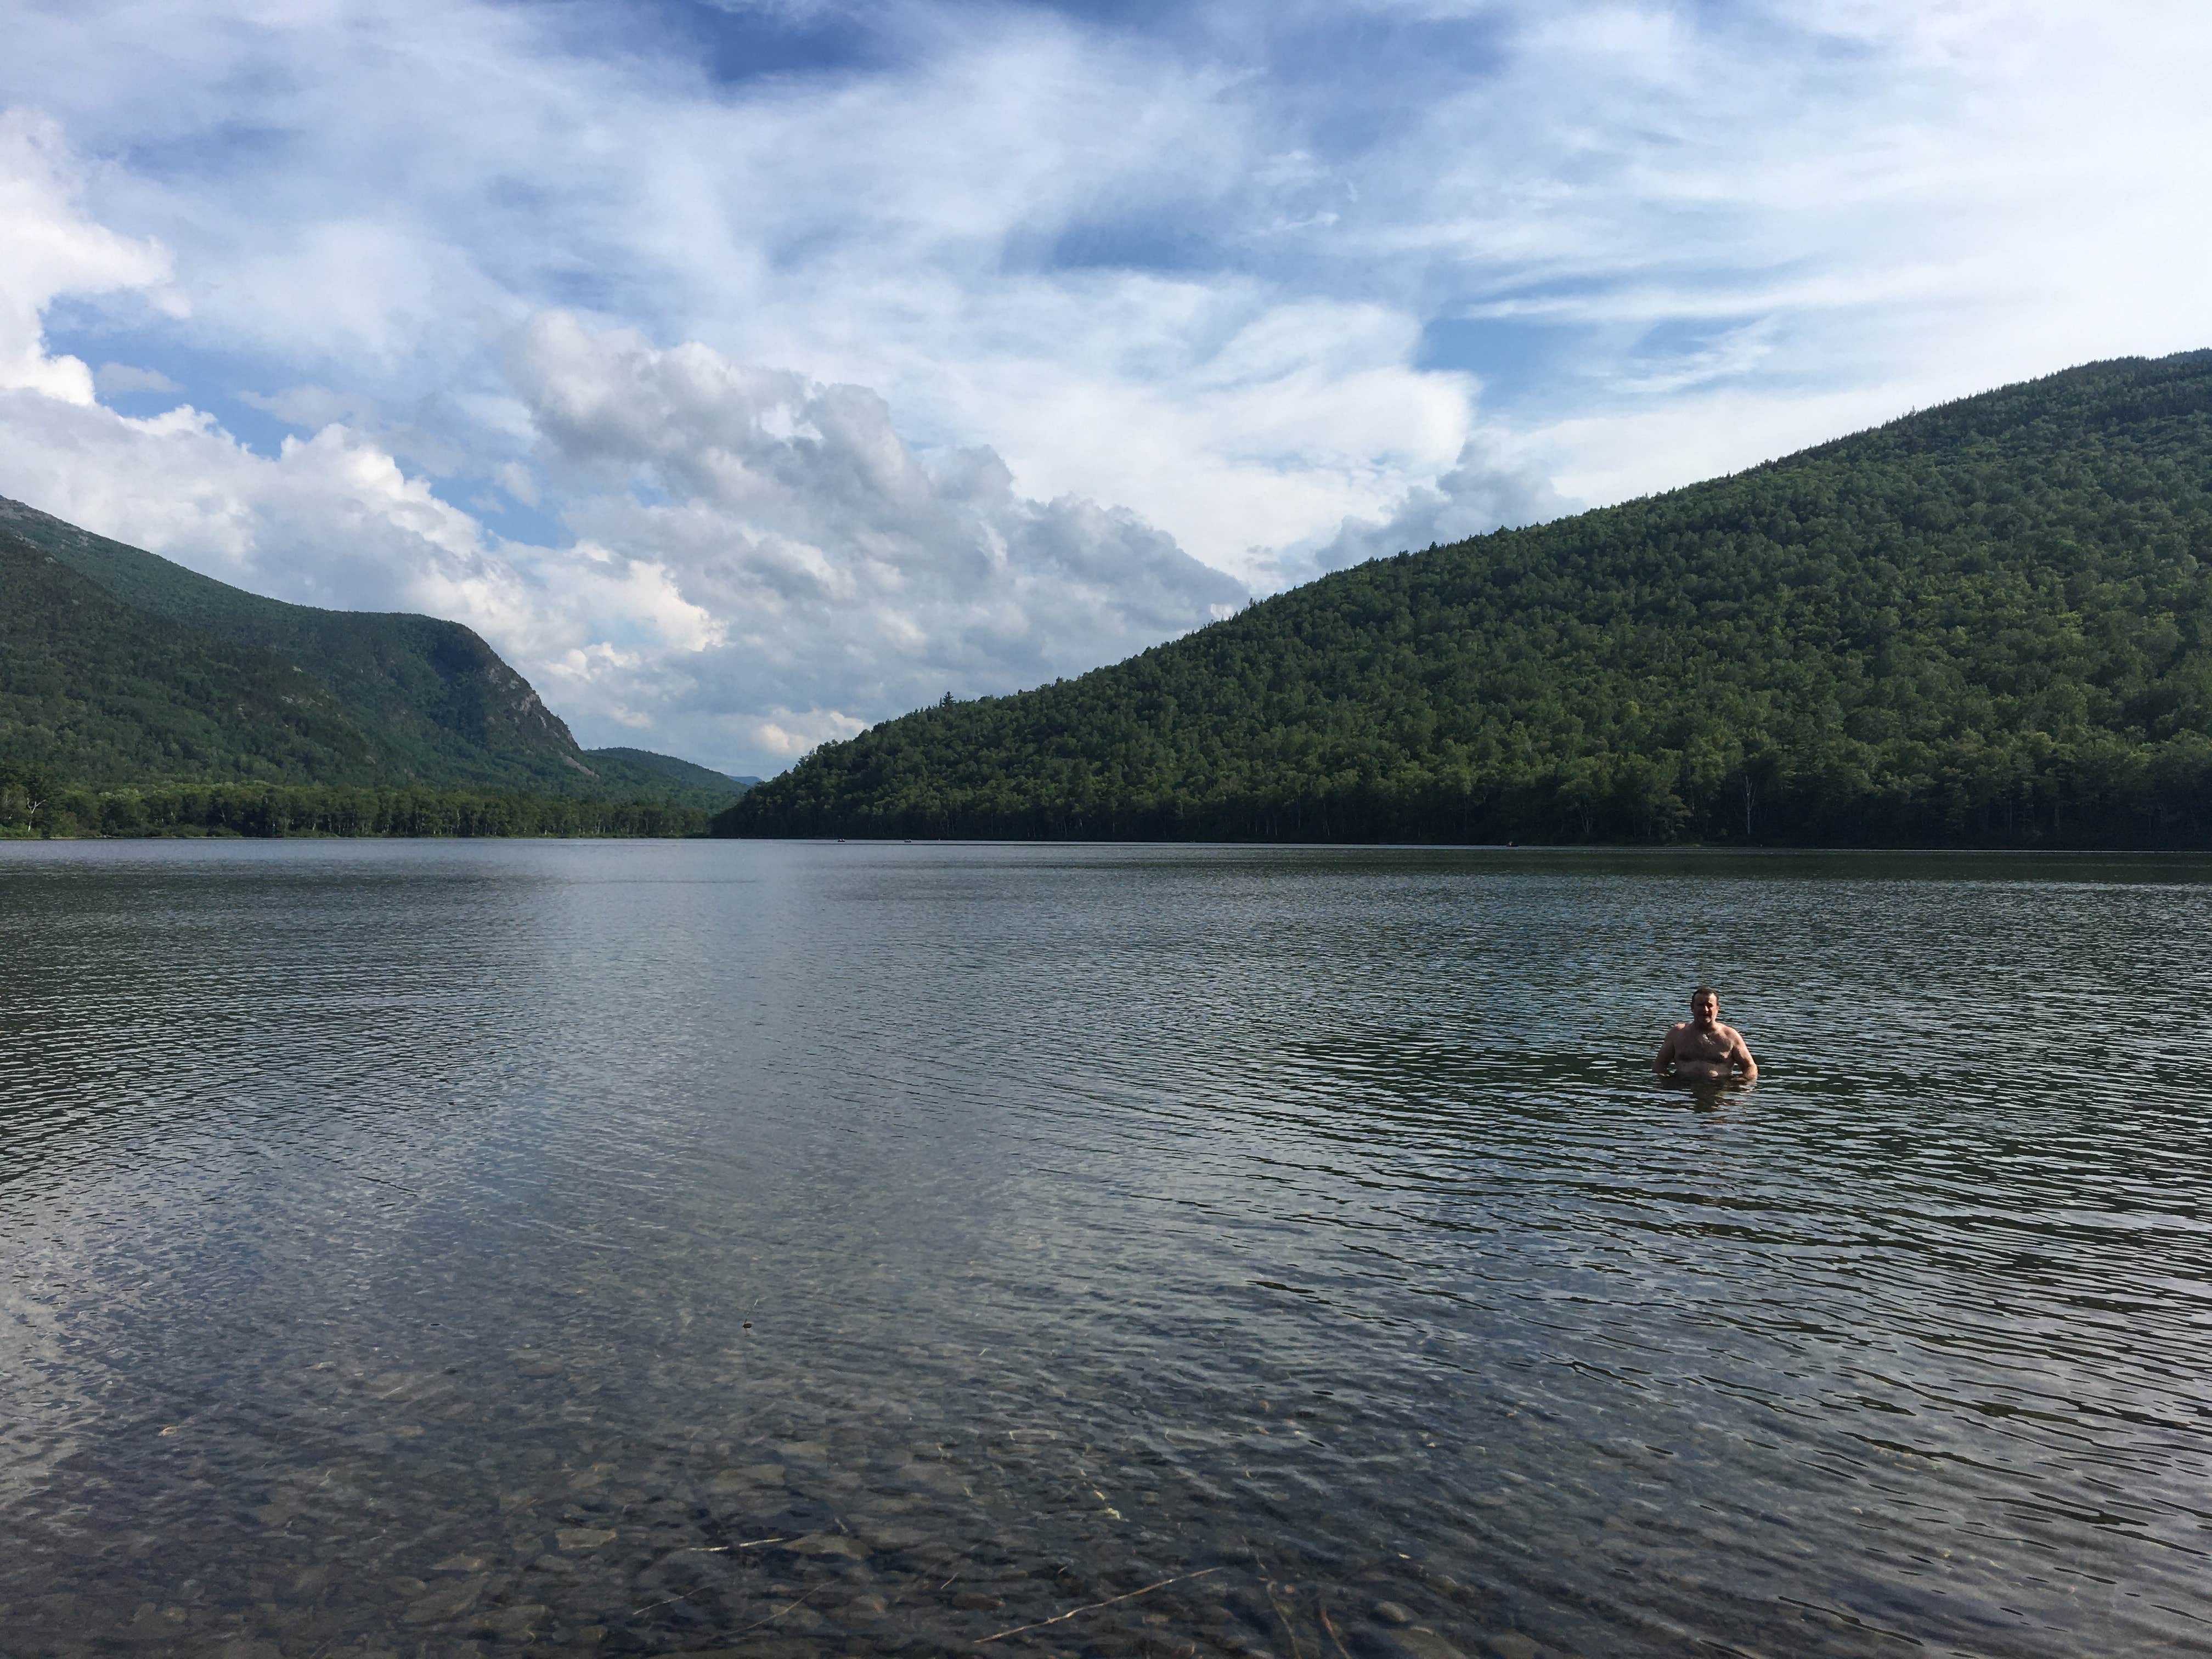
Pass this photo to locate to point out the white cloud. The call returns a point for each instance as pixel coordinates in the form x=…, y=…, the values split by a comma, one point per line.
x=842, y=569
x=47, y=249
x=1748, y=220
x=788, y=735
x=120, y=380
x=1488, y=489
x=894, y=229
x=329, y=520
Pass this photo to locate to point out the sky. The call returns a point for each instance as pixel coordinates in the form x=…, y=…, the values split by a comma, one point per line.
x=748, y=372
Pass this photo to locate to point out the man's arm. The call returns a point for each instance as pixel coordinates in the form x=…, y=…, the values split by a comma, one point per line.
x=1663, y=1061
x=1742, y=1057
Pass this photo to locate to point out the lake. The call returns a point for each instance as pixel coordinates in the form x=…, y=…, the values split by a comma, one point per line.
x=818, y=1249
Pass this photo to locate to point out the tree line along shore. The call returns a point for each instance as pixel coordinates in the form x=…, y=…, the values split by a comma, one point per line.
x=33, y=805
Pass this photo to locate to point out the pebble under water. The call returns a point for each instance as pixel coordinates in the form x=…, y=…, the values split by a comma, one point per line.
x=799, y=1251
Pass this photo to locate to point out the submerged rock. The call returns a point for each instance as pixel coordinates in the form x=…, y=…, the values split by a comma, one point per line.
x=894, y=1537
x=830, y=1543
x=1418, y=1641
x=522, y=1618
x=450, y=1602
x=750, y=1477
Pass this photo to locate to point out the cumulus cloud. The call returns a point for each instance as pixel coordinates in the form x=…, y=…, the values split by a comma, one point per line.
x=849, y=575
x=328, y=520
x=965, y=224
x=48, y=249
x=1487, y=490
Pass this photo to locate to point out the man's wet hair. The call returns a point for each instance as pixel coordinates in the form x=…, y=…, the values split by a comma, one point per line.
x=1702, y=992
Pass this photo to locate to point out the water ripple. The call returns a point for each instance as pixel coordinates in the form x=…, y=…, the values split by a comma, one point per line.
x=407, y=1247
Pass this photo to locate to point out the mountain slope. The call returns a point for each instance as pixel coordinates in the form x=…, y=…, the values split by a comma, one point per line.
x=158, y=674
x=93, y=687
x=1988, y=622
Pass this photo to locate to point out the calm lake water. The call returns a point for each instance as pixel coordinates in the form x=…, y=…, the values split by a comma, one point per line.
x=799, y=1251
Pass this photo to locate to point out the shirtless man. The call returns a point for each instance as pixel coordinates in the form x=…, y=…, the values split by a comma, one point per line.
x=1703, y=1050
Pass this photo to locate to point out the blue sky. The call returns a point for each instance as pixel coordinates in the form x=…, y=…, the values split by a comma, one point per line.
x=748, y=372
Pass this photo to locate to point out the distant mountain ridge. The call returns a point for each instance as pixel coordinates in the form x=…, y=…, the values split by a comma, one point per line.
x=1987, y=622
x=643, y=763
x=118, y=666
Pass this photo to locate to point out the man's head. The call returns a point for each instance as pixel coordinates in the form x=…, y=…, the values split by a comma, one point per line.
x=1705, y=1004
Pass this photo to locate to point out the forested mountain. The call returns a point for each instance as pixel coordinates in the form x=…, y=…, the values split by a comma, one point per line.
x=1988, y=623
x=684, y=773
x=118, y=667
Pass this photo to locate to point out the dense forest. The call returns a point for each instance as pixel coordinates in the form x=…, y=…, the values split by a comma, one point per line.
x=120, y=669
x=33, y=804
x=1988, y=623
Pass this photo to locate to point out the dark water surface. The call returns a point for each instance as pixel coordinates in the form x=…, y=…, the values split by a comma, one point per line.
x=420, y=1249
